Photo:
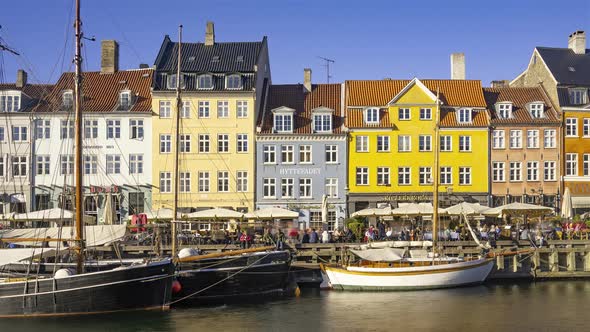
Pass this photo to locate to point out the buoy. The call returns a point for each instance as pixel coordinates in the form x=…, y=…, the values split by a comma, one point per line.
x=297, y=291
x=176, y=287
x=187, y=252
x=63, y=273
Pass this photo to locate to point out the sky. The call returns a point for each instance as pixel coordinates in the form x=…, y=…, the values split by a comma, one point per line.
x=367, y=39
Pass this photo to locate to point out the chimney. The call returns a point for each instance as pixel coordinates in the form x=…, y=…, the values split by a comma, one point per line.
x=21, y=78
x=210, y=34
x=109, y=57
x=143, y=66
x=307, y=80
x=500, y=84
x=458, y=66
x=577, y=42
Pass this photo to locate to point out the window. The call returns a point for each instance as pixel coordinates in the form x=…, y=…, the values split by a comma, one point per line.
x=382, y=143
x=549, y=140
x=446, y=143
x=362, y=176
x=383, y=176
x=425, y=175
x=464, y=175
x=9, y=103
x=464, y=143
x=536, y=111
x=165, y=182
x=43, y=202
x=173, y=81
x=90, y=129
x=426, y=114
x=242, y=142
x=498, y=174
x=136, y=128
x=223, y=181
x=505, y=111
x=404, y=114
x=66, y=164
x=242, y=181
x=185, y=143
x=305, y=188
x=586, y=164
x=571, y=164
x=403, y=176
x=446, y=175
x=66, y=129
x=233, y=82
x=1, y=134
x=424, y=143
x=19, y=166
x=19, y=133
x=372, y=115
x=586, y=128
x=516, y=139
x=222, y=109
x=113, y=164
x=43, y=129
x=90, y=164
x=125, y=100
x=204, y=143
x=404, y=144
x=332, y=187
x=67, y=100
x=165, y=143
x=185, y=182
x=203, y=182
x=550, y=171
x=464, y=115
x=571, y=127
x=515, y=171
x=362, y=144
x=203, y=109
x=577, y=96
x=42, y=165
x=205, y=82
x=287, y=154
x=305, y=154
x=532, y=168
x=136, y=202
x=165, y=109
x=269, y=188
x=113, y=129
x=322, y=123
x=242, y=108
x=532, y=139
x=498, y=139
x=222, y=143
x=269, y=154
x=135, y=164
x=185, y=111
x=331, y=154
x=283, y=123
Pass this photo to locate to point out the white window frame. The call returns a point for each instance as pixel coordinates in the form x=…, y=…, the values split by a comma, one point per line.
x=204, y=143
x=185, y=143
x=43, y=129
x=383, y=176
x=371, y=115
x=571, y=127
x=404, y=143
x=66, y=164
x=242, y=181
x=113, y=128
x=331, y=187
x=288, y=188
x=537, y=110
x=305, y=188
x=515, y=171
x=184, y=182
x=464, y=143
x=404, y=176
x=362, y=176
x=222, y=109
x=532, y=170
x=165, y=143
x=424, y=175
x=362, y=143
x=223, y=181
x=498, y=139
x=287, y=154
x=185, y=111
x=404, y=114
x=222, y=143
x=464, y=175
x=331, y=153
x=425, y=143
x=532, y=139
x=498, y=171
x=233, y=77
x=425, y=114
x=322, y=123
x=283, y=123
x=113, y=164
x=550, y=139
x=204, y=181
x=201, y=86
x=43, y=164
x=90, y=164
x=242, y=144
x=204, y=109
x=571, y=164
x=135, y=163
x=20, y=133
x=465, y=115
x=165, y=182
x=269, y=154
x=242, y=109
x=165, y=109
x=383, y=143
x=446, y=143
x=446, y=175
x=305, y=154
x=516, y=139
x=269, y=188
x=136, y=130
x=586, y=128
x=505, y=111
x=549, y=170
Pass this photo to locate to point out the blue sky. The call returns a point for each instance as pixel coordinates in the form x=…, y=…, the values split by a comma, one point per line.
x=368, y=39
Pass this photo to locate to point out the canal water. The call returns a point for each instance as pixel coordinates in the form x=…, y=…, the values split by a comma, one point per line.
x=540, y=306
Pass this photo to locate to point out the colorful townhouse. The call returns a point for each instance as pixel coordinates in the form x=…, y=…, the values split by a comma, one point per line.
x=391, y=146
x=565, y=75
x=17, y=101
x=301, y=152
x=117, y=115
x=222, y=87
x=525, y=146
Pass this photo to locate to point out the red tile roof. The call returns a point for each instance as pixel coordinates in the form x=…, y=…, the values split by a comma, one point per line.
x=354, y=119
x=520, y=97
x=448, y=119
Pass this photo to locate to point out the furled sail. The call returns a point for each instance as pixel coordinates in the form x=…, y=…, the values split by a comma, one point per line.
x=95, y=235
x=380, y=255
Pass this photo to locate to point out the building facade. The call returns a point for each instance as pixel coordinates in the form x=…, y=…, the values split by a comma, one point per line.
x=301, y=152
x=222, y=87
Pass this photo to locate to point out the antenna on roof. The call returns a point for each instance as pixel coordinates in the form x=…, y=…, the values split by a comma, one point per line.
x=6, y=48
x=327, y=65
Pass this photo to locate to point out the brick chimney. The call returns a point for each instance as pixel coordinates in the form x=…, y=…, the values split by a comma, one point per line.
x=109, y=56
x=458, y=66
x=21, y=78
x=500, y=84
x=307, y=80
x=577, y=42
x=210, y=34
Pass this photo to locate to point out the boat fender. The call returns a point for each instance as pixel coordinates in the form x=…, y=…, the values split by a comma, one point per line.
x=188, y=252
x=63, y=273
x=176, y=287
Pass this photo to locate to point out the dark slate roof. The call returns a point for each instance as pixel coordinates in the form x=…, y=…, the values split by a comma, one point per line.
x=37, y=94
x=559, y=61
x=190, y=82
x=520, y=97
x=198, y=58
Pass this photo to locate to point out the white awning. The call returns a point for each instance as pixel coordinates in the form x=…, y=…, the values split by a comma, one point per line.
x=580, y=202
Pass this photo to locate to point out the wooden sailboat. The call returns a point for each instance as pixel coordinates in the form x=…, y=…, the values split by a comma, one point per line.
x=390, y=268
x=74, y=292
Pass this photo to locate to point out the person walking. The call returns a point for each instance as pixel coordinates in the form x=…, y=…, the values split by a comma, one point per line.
x=313, y=236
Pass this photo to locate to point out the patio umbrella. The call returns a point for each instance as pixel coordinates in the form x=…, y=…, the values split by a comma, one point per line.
x=372, y=212
x=55, y=214
x=272, y=213
x=414, y=209
x=566, y=206
x=464, y=208
x=216, y=213
x=324, y=209
x=161, y=214
x=107, y=217
x=518, y=210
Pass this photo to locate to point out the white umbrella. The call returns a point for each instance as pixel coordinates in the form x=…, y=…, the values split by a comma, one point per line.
x=465, y=208
x=324, y=209
x=567, y=206
x=414, y=209
x=372, y=212
x=107, y=216
x=161, y=214
x=272, y=213
x=518, y=209
x=55, y=214
x=216, y=213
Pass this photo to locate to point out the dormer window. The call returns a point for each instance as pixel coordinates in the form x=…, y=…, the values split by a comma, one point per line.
x=205, y=82
x=372, y=115
x=464, y=115
x=172, y=81
x=322, y=120
x=578, y=96
x=125, y=100
x=283, y=120
x=505, y=111
x=536, y=110
x=233, y=81
x=240, y=58
x=67, y=99
x=9, y=102
x=215, y=58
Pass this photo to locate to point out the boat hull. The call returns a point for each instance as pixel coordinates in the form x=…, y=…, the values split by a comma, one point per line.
x=409, y=278
x=142, y=287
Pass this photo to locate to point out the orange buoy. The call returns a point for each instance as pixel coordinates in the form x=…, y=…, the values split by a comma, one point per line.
x=176, y=287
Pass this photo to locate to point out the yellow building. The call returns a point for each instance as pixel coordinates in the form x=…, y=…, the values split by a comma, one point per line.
x=391, y=145
x=222, y=85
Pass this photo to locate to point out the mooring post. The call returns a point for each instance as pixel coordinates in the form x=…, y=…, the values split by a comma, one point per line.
x=553, y=259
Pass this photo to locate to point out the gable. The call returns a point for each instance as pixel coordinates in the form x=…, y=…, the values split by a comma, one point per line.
x=414, y=93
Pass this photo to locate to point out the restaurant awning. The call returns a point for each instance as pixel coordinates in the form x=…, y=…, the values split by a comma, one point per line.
x=580, y=202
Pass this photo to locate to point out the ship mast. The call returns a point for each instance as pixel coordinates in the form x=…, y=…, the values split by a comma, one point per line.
x=177, y=143
x=435, y=176
x=79, y=221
